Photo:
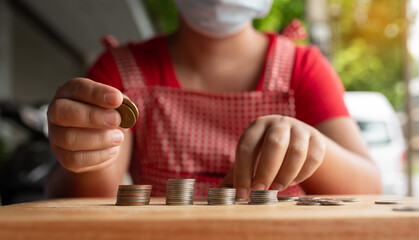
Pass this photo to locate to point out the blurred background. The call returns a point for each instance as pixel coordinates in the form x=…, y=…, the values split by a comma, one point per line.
x=373, y=45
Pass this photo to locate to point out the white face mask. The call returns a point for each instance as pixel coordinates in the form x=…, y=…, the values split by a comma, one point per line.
x=221, y=18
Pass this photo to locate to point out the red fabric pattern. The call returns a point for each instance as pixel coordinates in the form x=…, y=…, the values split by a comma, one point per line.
x=318, y=89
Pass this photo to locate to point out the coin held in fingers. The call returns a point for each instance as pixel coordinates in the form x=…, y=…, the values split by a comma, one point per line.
x=129, y=113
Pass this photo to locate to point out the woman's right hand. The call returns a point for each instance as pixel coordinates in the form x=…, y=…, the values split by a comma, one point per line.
x=84, y=126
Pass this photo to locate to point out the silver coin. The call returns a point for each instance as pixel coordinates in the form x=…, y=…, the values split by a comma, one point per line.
x=264, y=200
x=136, y=186
x=221, y=196
x=260, y=197
x=132, y=204
x=262, y=203
x=388, y=202
x=221, y=203
x=300, y=199
x=133, y=195
x=307, y=203
x=180, y=191
x=286, y=198
x=330, y=202
x=406, y=209
x=348, y=199
x=179, y=203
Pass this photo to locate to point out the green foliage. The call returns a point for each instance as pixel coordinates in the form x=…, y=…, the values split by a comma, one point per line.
x=163, y=14
x=361, y=69
x=281, y=14
x=366, y=55
x=415, y=67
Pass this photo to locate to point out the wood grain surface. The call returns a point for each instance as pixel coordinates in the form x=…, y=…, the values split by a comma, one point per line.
x=101, y=219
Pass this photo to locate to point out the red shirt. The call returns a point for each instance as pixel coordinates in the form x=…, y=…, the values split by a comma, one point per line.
x=318, y=89
x=187, y=134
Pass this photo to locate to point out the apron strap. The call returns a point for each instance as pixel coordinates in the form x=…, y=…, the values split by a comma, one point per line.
x=128, y=68
x=279, y=66
x=295, y=31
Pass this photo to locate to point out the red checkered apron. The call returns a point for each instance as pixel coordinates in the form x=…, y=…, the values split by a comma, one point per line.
x=191, y=134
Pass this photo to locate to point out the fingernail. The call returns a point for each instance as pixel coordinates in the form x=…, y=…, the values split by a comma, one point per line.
x=277, y=186
x=117, y=137
x=111, y=118
x=258, y=186
x=113, y=150
x=241, y=193
x=111, y=98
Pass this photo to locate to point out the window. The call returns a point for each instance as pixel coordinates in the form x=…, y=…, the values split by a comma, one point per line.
x=375, y=133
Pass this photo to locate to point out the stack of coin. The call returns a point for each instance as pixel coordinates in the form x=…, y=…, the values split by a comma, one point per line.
x=316, y=201
x=348, y=199
x=262, y=197
x=331, y=202
x=287, y=198
x=308, y=201
x=180, y=191
x=129, y=113
x=221, y=196
x=133, y=195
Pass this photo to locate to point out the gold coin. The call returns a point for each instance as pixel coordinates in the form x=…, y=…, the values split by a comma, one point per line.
x=132, y=106
x=129, y=113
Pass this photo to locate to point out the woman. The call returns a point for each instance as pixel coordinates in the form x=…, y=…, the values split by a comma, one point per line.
x=219, y=102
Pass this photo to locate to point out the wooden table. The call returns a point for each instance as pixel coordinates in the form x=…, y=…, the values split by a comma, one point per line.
x=100, y=219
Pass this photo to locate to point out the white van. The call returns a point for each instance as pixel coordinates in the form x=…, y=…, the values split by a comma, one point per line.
x=382, y=132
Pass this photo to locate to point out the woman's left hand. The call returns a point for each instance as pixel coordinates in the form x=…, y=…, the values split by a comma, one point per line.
x=275, y=152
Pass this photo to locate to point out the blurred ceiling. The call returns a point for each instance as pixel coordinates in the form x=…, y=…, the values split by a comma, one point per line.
x=82, y=23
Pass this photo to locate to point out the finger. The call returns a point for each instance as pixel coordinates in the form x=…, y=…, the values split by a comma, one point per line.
x=84, y=139
x=227, y=180
x=294, y=159
x=247, y=153
x=315, y=156
x=91, y=92
x=274, y=148
x=69, y=113
x=79, y=161
x=97, y=167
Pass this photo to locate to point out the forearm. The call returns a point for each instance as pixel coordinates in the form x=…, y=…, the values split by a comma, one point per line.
x=63, y=183
x=344, y=172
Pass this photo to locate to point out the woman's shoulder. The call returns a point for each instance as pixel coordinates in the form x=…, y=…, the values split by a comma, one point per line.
x=104, y=69
x=310, y=61
x=307, y=54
